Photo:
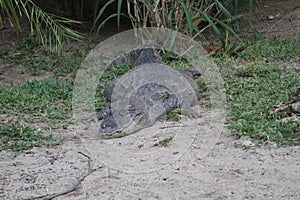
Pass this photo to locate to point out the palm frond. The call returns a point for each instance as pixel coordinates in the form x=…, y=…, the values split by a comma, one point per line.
x=48, y=28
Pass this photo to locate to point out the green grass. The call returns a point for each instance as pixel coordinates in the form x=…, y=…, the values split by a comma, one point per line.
x=48, y=100
x=110, y=73
x=253, y=89
x=38, y=60
x=273, y=49
x=167, y=141
x=20, y=137
x=250, y=101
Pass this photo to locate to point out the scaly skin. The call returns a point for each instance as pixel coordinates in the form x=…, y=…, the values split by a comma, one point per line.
x=147, y=103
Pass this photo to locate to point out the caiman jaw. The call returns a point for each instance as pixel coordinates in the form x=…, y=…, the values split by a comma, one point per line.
x=137, y=121
x=115, y=134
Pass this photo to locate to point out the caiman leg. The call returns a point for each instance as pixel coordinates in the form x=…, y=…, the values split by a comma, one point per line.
x=99, y=115
x=174, y=103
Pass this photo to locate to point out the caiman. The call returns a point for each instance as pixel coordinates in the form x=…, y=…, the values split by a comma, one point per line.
x=139, y=97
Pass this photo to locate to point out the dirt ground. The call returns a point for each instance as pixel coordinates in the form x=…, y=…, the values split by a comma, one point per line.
x=195, y=165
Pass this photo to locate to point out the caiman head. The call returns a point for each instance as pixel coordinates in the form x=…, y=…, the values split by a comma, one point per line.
x=124, y=125
x=109, y=127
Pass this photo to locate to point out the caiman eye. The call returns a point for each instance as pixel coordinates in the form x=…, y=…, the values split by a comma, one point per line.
x=103, y=126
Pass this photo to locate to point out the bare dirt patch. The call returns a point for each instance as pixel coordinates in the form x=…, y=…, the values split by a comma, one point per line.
x=275, y=18
x=226, y=172
x=232, y=169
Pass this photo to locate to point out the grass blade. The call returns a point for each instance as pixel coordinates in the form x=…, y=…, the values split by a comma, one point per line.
x=227, y=27
x=257, y=34
x=188, y=17
x=103, y=9
x=224, y=10
x=104, y=21
x=213, y=25
x=119, y=13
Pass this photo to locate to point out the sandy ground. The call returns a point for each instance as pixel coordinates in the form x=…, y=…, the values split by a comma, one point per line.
x=203, y=161
x=206, y=166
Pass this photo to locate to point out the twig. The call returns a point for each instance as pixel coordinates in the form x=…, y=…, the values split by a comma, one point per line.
x=171, y=126
x=73, y=188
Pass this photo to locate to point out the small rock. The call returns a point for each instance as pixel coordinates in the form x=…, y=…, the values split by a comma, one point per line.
x=248, y=143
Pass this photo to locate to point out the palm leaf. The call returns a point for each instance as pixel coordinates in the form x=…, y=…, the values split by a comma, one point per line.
x=48, y=28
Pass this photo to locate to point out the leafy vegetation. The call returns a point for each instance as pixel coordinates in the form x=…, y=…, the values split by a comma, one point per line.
x=39, y=101
x=48, y=28
x=47, y=102
x=166, y=141
x=189, y=17
x=251, y=101
x=20, y=137
x=253, y=89
x=37, y=61
x=274, y=49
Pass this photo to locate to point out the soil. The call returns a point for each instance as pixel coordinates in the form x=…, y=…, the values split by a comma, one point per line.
x=193, y=165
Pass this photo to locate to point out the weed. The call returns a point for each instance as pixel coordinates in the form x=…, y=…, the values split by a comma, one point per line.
x=171, y=116
x=110, y=73
x=47, y=101
x=42, y=101
x=252, y=90
x=166, y=142
x=256, y=69
x=68, y=64
x=250, y=101
x=20, y=137
x=29, y=43
x=38, y=61
x=273, y=49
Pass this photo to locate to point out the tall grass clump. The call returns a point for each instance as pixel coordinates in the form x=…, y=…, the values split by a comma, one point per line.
x=188, y=17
